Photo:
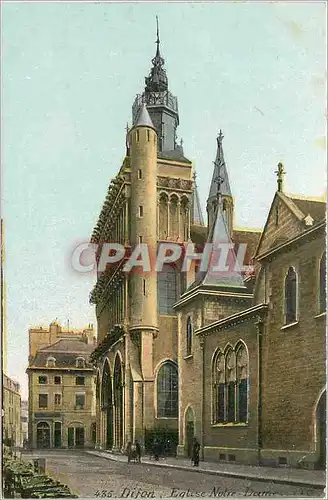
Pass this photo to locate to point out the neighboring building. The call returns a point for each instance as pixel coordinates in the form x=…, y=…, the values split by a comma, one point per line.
x=11, y=421
x=152, y=199
x=3, y=316
x=24, y=419
x=61, y=402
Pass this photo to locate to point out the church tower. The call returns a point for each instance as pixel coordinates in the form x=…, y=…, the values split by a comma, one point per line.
x=220, y=176
x=161, y=104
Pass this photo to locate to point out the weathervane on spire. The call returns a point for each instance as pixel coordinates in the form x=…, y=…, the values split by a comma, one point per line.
x=280, y=176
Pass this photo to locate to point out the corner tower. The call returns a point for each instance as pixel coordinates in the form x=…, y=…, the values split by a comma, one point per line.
x=161, y=104
x=143, y=144
x=221, y=178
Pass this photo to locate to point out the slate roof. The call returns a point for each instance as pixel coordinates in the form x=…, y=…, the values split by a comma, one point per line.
x=316, y=208
x=250, y=237
x=65, y=351
x=144, y=119
x=174, y=154
x=220, y=171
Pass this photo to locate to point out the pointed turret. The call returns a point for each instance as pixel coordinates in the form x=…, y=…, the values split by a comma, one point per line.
x=220, y=177
x=197, y=215
x=143, y=119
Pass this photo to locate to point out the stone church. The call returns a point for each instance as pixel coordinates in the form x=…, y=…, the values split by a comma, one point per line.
x=234, y=359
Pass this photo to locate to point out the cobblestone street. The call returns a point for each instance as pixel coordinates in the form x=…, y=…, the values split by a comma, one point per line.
x=92, y=476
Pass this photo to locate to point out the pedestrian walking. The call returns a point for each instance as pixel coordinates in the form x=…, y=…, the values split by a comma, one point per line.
x=129, y=451
x=195, y=452
x=138, y=451
x=156, y=449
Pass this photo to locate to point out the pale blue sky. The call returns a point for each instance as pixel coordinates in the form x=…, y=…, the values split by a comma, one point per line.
x=70, y=75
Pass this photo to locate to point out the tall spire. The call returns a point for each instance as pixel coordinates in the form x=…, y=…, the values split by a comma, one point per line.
x=220, y=192
x=197, y=215
x=158, y=40
x=157, y=80
x=220, y=172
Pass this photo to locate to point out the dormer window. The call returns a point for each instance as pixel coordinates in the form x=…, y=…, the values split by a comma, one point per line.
x=51, y=362
x=80, y=363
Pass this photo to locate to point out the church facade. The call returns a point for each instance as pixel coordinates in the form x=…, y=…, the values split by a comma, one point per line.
x=227, y=357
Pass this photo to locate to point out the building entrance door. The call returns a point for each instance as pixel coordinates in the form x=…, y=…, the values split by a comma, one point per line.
x=79, y=437
x=57, y=435
x=43, y=435
x=190, y=431
x=321, y=424
x=71, y=437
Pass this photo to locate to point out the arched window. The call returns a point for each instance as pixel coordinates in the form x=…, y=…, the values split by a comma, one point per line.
x=189, y=337
x=51, y=362
x=80, y=362
x=167, y=391
x=230, y=366
x=166, y=289
x=230, y=385
x=322, y=286
x=290, y=296
x=218, y=388
x=242, y=384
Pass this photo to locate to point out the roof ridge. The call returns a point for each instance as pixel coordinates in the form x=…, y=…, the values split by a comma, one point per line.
x=317, y=199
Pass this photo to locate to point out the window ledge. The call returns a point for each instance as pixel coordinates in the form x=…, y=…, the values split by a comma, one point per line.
x=231, y=424
x=321, y=315
x=189, y=356
x=289, y=325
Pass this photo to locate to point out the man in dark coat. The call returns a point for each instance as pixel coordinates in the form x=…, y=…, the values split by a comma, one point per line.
x=195, y=452
x=138, y=451
x=156, y=449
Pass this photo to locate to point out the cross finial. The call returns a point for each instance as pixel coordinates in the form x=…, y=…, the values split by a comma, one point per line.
x=220, y=138
x=280, y=176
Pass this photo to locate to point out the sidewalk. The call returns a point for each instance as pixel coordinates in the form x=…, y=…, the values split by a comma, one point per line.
x=299, y=477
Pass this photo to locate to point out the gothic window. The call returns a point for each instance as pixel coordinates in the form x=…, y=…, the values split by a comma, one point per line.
x=166, y=289
x=184, y=219
x=163, y=216
x=322, y=286
x=167, y=391
x=242, y=384
x=230, y=366
x=189, y=337
x=174, y=217
x=230, y=385
x=290, y=296
x=218, y=388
